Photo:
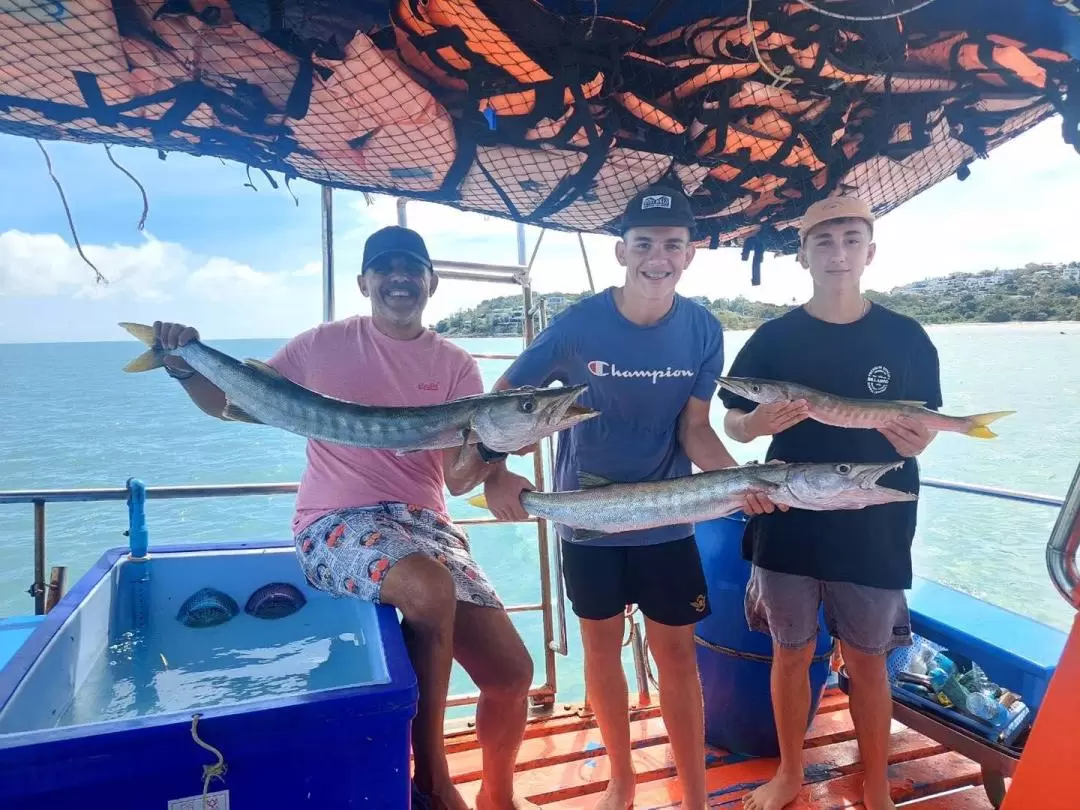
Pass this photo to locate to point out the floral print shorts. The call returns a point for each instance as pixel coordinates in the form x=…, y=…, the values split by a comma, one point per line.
x=349, y=552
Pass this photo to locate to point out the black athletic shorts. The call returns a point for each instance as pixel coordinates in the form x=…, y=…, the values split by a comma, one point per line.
x=665, y=581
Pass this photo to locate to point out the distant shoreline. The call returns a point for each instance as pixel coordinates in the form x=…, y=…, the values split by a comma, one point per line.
x=1075, y=325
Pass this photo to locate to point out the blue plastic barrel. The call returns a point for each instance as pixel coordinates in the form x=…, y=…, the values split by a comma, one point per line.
x=733, y=660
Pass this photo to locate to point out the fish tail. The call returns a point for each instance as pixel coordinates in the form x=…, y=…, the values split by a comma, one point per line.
x=479, y=501
x=979, y=429
x=150, y=359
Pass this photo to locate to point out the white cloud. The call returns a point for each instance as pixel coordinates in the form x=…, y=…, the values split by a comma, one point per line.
x=1009, y=212
x=153, y=280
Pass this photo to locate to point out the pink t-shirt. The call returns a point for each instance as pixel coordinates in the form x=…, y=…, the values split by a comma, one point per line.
x=352, y=360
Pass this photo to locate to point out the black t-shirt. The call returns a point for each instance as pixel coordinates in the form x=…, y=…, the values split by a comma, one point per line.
x=883, y=355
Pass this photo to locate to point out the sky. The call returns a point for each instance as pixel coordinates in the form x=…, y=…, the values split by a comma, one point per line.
x=242, y=263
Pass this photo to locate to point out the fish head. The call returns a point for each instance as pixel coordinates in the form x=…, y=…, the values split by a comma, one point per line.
x=763, y=392
x=516, y=418
x=841, y=486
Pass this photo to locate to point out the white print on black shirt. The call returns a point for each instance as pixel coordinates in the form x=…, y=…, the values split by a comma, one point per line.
x=878, y=379
x=602, y=368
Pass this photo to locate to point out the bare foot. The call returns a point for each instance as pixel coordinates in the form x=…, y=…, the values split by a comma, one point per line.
x=618, y=796
x=777, y=793
x=876, y=797
x=484, y=802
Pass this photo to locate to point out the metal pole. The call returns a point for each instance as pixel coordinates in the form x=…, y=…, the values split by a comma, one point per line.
x=560, y=644
x=538, y=477
x=328, y=253
x=1064, y=542
x=39, y=558
x=585, y=258
x=402, y=220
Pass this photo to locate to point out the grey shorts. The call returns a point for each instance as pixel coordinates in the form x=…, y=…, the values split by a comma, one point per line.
x=872, y=620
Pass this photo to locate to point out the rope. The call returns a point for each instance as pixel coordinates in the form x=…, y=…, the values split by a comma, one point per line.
x=210, y=772
x=874, y=18
x=67, y=211
x=145, y=201
x=749, y=656
x=780, y=79
x=628, y=614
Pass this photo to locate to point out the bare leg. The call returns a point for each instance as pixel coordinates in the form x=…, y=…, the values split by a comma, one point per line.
x=489, y=648
x=790, y=682
x=681, y=706
x=423, y=591
x=871, y=710
x=605, y=682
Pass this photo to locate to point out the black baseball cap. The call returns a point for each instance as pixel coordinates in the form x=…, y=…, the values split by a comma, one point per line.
x=658, y=206
x=394, y=240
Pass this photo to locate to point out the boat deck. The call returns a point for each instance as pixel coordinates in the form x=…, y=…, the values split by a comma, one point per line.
x=562, y=765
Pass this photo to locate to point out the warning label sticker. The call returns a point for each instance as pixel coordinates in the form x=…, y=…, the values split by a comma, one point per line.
x=218, y=800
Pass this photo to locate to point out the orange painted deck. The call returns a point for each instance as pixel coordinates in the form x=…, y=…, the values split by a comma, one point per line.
x=562, y=765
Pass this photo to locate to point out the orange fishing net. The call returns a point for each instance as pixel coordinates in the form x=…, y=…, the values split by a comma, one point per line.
x=507, y=108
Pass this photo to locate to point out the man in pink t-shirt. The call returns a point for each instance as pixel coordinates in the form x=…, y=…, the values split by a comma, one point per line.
x=373, y=525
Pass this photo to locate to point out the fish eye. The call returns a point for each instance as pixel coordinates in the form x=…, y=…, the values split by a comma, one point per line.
x=755, y=388
x=843, y=469
x=528, y=405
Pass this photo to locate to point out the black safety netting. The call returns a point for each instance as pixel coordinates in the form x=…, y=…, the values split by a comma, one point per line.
x=543, y=113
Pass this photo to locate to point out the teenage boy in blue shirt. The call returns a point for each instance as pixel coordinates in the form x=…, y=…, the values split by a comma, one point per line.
x=651, y=359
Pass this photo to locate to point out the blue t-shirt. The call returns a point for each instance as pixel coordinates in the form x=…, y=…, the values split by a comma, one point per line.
x=640, y=378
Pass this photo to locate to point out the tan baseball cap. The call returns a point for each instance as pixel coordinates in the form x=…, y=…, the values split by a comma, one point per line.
x=834, y=208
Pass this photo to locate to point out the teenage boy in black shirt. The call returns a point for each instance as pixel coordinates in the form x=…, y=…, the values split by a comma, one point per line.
x=857, y=561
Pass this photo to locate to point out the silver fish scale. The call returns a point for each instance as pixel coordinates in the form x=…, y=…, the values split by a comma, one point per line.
x=696, y=498
x=261, y=396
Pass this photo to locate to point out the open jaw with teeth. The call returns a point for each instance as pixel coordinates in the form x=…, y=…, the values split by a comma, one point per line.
x=656, y=275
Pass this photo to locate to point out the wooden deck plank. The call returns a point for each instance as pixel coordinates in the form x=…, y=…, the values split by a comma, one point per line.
x=972, y=798
x=583, y=743
x=831, y=724
x=538, y=752
x=587, y=771
x=578, y=757
x=569, y=718
x=910, y=779
x=833, y=700
x=565, y=721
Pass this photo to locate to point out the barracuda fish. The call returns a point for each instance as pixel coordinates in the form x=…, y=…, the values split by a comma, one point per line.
x=601, y=507
x=859, y=413
x=505, y=421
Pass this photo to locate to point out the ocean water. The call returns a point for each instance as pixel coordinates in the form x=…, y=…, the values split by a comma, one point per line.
x=72, y=418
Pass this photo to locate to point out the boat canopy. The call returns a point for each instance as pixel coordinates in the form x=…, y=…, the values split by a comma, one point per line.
x=556, y=113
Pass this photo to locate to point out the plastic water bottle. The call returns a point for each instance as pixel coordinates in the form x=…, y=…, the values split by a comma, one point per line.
x=922, y=654
x=985, y=707
x=942, y=670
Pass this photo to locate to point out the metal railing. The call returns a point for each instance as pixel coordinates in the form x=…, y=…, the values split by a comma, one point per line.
x=1065, y=537
x=40, y=498
x=1061, y=553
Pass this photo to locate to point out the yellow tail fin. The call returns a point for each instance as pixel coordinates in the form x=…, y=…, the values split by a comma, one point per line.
x=150, y=359
x=479, y=501
x=981, y=420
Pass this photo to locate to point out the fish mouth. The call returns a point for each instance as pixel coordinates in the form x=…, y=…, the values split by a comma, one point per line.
x=867, y=475
x=563, y=410
x=742, y=386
